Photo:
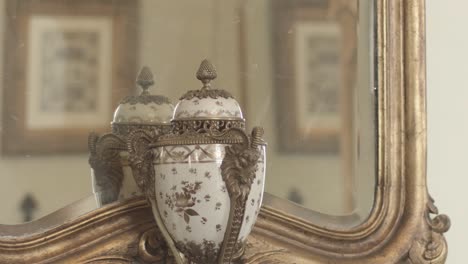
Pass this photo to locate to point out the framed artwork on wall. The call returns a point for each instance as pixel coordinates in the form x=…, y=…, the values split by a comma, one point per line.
x=69, y=64
x=315, y=70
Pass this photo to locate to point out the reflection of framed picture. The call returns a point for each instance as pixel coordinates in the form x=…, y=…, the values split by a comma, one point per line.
x=317, y=82
x=68, y=63
x=315, y=71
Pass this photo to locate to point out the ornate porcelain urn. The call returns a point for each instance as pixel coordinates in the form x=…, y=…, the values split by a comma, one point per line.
x=111, y=174
x=205, y=179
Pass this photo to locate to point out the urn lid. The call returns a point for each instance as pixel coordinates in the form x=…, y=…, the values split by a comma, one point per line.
x=207, y=103
x=145, y=108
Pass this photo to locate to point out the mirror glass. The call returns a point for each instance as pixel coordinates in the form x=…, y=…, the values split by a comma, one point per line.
x=302, y=69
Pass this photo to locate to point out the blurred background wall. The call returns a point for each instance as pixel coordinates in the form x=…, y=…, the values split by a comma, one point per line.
x=172, y=41
x=45, y=177
x=447, y=100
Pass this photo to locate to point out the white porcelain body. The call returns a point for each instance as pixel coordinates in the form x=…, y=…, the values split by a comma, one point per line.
x=221, y=108
x=144, y=113
x=192, y=197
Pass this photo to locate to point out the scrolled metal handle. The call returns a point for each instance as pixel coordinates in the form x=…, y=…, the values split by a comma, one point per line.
x=139, y=145
x=238, y=171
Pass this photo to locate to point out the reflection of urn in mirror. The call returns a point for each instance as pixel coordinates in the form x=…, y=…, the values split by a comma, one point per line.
x=205, y=179
x=111, y=175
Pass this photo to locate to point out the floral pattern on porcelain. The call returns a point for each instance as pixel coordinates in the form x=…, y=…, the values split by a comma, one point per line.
x=192, y=197
x=219, y=108
x=144, y=113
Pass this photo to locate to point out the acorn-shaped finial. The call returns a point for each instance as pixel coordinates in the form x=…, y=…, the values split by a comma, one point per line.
x=206, y=73
x=145, y=79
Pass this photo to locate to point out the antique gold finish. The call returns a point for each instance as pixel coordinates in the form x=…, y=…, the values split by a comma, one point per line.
x=238, y=177
x=398, y=224
x=206, y=73
x=191, y=125
x=403, y=227
x=190, y=137
x=111, y=234
x=127, y=128
x=106, y=162
x=141, y=157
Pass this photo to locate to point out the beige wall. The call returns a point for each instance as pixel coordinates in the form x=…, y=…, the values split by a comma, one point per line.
x=53, y=180
x=172, y=42
x=447, y=94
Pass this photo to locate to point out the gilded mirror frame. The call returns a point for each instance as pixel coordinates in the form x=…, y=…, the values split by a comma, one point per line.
x=403, y=227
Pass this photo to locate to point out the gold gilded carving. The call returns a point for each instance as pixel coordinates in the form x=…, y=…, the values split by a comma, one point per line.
x=206, y=73
x=148, y=248
x=141, y=158
x=139, y=145
x=238, y=170
x=152, y=247
x=431, y=246
x=146, y=99
x=206, y=93
x=190, y=126
x=110, y=233
x=260, y=251
x=106, y=162
x=125, y=129
x=196, y=138
x=200, y=253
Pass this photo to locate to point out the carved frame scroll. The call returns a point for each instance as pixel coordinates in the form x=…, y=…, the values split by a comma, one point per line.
x=403, y=227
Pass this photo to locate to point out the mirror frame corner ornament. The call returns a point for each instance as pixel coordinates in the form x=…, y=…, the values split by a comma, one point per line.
x=403, y=227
